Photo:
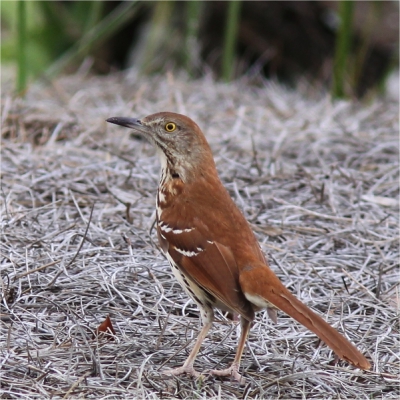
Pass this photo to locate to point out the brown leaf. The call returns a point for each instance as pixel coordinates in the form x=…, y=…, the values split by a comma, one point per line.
x=105, y=329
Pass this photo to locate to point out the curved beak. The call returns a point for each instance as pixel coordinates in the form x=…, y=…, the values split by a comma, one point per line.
x=132, y=123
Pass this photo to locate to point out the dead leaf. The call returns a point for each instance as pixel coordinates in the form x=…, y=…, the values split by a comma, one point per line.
x=105, y=329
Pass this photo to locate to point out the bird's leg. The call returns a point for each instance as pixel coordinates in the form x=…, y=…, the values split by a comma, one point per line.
x=233, y=370
x=187, y=368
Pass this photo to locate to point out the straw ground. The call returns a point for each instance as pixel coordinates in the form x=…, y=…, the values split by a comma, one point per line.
x=318, y=182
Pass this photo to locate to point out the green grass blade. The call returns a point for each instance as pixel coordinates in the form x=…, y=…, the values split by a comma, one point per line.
x=343, y=44
x=231, y=29
x=160, y=28
x=94, y=14
x=194, y=10
x=100, y=32
x=22, y=38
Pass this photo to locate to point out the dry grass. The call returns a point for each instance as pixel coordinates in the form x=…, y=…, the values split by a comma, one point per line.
x=317, y=181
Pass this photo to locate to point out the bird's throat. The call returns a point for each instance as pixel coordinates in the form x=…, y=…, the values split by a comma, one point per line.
x=171, y=186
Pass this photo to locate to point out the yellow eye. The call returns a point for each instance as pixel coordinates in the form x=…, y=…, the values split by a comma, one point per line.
x=170, y=126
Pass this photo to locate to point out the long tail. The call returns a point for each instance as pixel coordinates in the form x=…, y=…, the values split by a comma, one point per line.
x=261, y=287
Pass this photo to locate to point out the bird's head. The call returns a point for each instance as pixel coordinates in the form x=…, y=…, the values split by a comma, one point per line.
x=181, y=143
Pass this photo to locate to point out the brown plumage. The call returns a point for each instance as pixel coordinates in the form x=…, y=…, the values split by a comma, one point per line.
x=211, y=247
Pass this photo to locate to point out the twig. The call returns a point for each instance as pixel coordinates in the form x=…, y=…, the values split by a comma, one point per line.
x=77, y=252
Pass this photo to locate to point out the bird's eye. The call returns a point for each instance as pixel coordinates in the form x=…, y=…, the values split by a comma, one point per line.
x=170, y=126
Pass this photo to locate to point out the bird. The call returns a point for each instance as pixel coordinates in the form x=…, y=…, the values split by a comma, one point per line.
x=211, y=247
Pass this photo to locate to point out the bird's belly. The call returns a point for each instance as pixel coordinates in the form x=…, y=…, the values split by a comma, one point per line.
x=199, y=296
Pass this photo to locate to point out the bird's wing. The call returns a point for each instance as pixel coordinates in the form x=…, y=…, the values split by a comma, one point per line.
x=210, y=264
x=260, y=285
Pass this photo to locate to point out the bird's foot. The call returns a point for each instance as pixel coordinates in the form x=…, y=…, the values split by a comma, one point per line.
x=232, y=371
x=185, y=369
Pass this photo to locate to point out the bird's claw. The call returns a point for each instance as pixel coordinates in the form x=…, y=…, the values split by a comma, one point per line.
x=232, y=371
x=189, y=370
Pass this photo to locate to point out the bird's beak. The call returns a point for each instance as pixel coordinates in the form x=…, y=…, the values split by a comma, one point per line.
x=132, y=123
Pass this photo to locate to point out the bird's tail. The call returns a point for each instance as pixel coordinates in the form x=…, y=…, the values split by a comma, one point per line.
x=262, y=287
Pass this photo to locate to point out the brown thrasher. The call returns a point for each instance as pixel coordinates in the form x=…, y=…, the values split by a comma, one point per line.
x=210, y=245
